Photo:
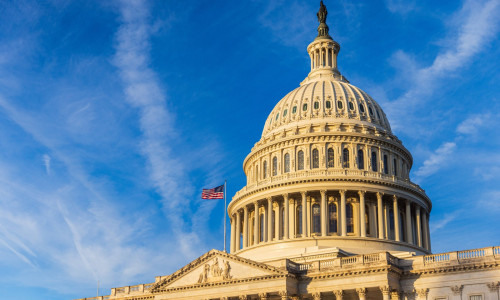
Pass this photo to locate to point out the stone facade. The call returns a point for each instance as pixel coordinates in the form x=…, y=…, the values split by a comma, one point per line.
x=329, y=211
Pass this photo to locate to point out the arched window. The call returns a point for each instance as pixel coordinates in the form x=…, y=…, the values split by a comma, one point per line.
x=349, y=218
x=332, y=218
x=315, y=159
x=299, y=219
x=262, y=227
x=367, y=220
x=275, y=166
x=395, y=167
x=300, y=160
x=264, y=169
x=345, y=158
x=287, y=163
x=330, y=158
x=316, y=218
x=282, y=222
x=374, y=161
x=386, y=164
x=361, y=160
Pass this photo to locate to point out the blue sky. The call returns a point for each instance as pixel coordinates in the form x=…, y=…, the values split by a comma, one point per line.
x=114, y=115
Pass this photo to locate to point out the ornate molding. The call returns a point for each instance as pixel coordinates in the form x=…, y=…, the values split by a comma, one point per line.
x=284, y=295
x=422, y=293
x=316, y=296
x=243, y=297
x=338, y=294
x=263, y=296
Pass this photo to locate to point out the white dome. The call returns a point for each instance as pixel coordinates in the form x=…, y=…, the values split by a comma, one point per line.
x=327, y=101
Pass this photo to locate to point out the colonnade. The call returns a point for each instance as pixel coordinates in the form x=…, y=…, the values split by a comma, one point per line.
x=323, y=57
x=387, y=292
x=323, y=213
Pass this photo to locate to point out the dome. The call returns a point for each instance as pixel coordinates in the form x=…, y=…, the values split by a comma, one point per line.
x=328, y=174
x=328, y=101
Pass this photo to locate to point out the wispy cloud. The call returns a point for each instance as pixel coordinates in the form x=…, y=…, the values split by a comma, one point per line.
x=400, y=6
x=46, y=163
x=473, y=123
x=144, y=92
x=477, y=24
x=444, y=220
x=436, y=160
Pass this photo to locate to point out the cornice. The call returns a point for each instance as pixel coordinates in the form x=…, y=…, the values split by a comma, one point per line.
x=438, y=270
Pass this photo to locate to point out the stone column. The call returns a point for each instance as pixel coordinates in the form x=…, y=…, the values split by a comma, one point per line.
x=409, y=232
x=386, y=290
x=316, y=296
x=263, y=296
x=238, y=231
x=395, y=210
x=308, y=216
x=277, y=221
x=339, y=294
x=245, y=227
x=293, y=217
x=323, y=212
x=256, y=223
x=304, y=220
x=270, y=219
x=343, y=218
x=419, y=226
x=380, y=216
x=362, y=220
x=361, y=293
x=426, y=233
x=232, y=244
x=243, y=297
x=286, y=221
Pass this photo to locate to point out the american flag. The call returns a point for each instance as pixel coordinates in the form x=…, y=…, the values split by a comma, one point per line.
x=215, y=193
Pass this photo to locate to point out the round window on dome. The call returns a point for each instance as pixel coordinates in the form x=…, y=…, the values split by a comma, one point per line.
x=340, y=105
x=361, y=108
x=370, y=110
x=351, y=105
x=316, y=105
x=285, y=112
x=328, y=104
x=294, y=109
x=277, y=116
x=304, y=107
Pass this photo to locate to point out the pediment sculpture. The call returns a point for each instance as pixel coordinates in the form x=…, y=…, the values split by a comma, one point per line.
x=213, y=272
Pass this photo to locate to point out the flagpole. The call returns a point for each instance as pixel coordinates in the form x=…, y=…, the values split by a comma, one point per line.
x=225, y=183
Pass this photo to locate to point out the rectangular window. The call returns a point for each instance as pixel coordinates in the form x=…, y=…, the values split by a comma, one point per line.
x=476, y=297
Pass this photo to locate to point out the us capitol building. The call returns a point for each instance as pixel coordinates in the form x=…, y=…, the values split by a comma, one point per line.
x=328, y=211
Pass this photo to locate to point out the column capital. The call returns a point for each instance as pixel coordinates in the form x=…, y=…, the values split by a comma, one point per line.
x=361, y=193
x=457, y=289
x=263, y=296
x=269, y=198
x=407, y=202
x=385, y=289
x=338, y=294
x=361, y=291
x=342, y=192
x=316, y=296
x=245, y=208
x=395, y=294
x=493, y=286
x=395, y=197
x=285, y=196
x=303, y=194
x=284, y=295
x=379, y=195
x=243, y=297
x=322, y=192
x=422, y=293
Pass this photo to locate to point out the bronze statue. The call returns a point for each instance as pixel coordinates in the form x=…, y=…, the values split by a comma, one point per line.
x=322, y=13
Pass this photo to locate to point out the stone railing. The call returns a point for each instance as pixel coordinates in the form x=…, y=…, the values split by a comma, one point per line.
x=352, y=173
x=459, y=256
x=342, y=262
x=95, y=298
x=134, y=289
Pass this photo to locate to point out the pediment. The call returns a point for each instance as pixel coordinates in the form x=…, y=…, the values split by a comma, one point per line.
x=215, y=267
